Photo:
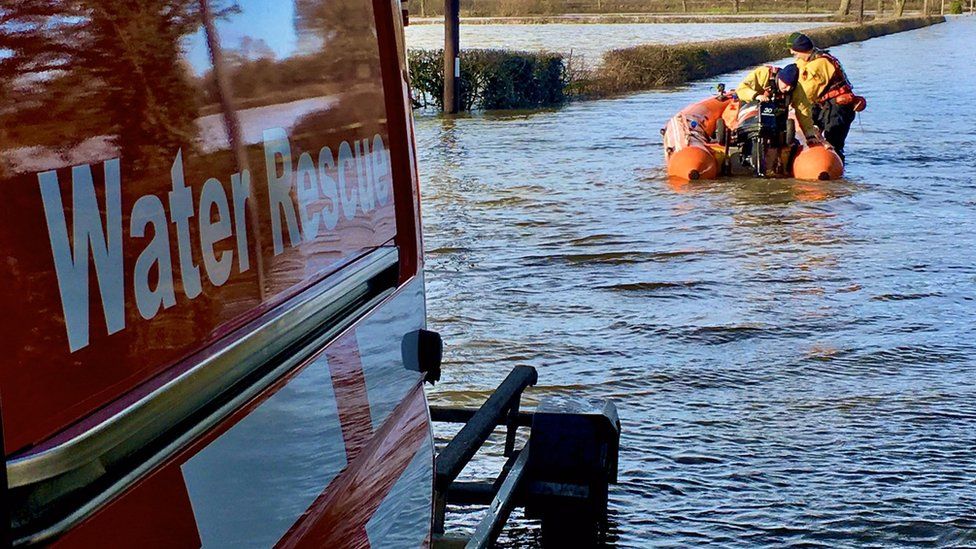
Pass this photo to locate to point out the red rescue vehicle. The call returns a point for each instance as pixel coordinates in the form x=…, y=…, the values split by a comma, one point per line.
x=212, y=284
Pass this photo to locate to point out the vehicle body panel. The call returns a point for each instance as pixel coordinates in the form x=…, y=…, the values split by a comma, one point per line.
x=177, y=175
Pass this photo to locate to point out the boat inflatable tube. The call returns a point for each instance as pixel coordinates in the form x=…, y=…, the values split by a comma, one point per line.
x=688, y=145
x=693, y=163
x=817, y=163
x=692, y=151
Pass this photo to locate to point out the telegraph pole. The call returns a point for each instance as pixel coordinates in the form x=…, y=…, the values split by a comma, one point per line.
x=452, y=63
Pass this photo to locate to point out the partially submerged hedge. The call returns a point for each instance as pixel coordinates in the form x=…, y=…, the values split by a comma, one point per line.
x=492, y=79
x=499, y=79
x=653, y=66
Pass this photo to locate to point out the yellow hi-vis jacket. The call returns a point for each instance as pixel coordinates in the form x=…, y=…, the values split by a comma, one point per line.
x=759, y=80
x=815, y=75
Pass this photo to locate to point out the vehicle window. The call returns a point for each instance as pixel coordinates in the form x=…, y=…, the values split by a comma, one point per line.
x=169, y=171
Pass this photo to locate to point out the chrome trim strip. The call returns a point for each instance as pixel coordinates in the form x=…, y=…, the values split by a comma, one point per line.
x=151, y=416
x=200, y=428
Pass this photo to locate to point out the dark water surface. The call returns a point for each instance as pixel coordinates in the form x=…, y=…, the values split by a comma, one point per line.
x=793, y=363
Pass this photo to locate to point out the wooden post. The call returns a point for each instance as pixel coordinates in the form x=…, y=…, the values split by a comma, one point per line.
x=452, y=63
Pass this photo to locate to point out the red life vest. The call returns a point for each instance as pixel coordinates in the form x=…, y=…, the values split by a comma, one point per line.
x=839, y=84
x=839, y=88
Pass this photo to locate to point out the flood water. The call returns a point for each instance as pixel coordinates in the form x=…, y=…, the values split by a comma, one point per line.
x=793, y=362
x=590, y=41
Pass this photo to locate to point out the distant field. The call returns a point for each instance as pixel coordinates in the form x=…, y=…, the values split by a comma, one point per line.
x=517, y=8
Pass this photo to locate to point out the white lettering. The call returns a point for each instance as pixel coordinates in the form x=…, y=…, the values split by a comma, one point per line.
x=149, y=210
x=71, y=259
x=212, y=232
x=279, y=187
x=382, y=182
x=347, y=193
x=308, y=195
x=241, y=186
x=327, y=184
x=181, y=210
x=364, y=175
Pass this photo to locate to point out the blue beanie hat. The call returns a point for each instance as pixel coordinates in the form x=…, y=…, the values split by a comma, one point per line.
x=800, y=42
x=789, y=75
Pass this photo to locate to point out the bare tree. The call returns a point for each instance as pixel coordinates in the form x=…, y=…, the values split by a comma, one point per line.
x=117, y=64
x=845, y=7
x=880, y=8
x=899, y=8
x=735, y=6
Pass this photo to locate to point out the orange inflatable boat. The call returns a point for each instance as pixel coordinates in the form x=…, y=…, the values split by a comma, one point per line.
x=717, y=136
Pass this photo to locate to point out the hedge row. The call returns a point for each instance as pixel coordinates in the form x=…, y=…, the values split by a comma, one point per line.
x=653, y=66
x=500, y=79
x=492, y=79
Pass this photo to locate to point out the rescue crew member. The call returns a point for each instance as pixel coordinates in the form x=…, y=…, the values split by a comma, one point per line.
x=758, y=86
x=825, y=83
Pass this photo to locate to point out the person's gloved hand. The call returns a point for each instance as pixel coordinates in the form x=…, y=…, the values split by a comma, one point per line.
x=762, y=98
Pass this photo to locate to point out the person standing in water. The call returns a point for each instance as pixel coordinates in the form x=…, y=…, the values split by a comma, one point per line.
x=759, y=86
x=826, y=85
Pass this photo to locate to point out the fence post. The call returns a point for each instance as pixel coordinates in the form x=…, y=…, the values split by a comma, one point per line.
x=452, y=63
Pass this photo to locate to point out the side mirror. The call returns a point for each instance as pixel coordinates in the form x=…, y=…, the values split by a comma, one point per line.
x=423, y=351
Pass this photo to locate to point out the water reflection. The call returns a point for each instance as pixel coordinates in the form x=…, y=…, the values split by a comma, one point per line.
x=184, y=113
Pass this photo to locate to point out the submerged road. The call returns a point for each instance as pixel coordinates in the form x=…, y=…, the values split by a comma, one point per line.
x=793, y=363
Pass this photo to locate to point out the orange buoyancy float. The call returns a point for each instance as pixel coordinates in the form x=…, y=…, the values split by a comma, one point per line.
x=817, y=163
x=693, y=151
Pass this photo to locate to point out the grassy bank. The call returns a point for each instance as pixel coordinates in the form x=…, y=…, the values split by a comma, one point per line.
x=654, y=66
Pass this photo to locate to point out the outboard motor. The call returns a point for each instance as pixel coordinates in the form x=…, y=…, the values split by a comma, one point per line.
x=764, y=130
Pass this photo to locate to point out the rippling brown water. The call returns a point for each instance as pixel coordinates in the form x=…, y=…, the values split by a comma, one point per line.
x=793, y=363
